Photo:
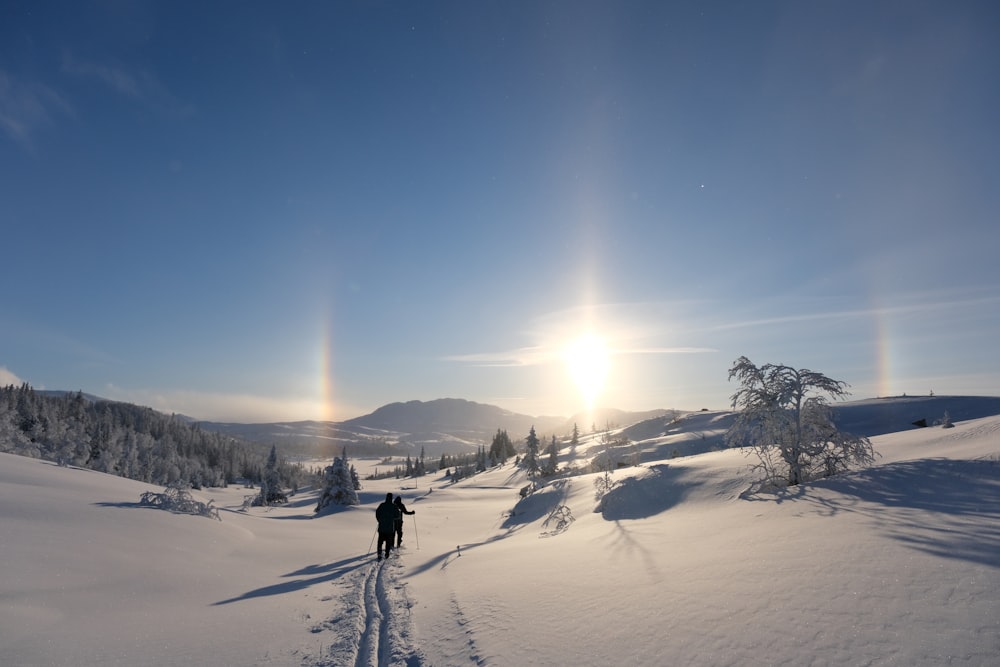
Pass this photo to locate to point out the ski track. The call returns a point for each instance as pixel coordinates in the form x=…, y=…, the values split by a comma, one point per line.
x=373, y=626
x=371, y=649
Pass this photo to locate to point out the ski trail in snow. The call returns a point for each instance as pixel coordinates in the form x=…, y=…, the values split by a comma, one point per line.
x=371, y=647
x=396, y=632
x=372, y=626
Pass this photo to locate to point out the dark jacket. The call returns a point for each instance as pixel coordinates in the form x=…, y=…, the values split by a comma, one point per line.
x=386, y=515
x=402, y=508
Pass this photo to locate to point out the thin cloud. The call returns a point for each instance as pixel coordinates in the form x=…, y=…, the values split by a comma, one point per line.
x=25, y=107
x=626, y=328
x=664, y=350
x=528, y=356
x=137, y=84
x=933, y=306
x=536, y=356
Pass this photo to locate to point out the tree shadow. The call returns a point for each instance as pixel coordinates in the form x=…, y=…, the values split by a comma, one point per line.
x=537, y=505
x=944, y=507
x=657, y=491
x=311, y=576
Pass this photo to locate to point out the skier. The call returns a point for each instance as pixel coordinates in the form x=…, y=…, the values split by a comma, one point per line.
x=399, y=521
x=386, y=515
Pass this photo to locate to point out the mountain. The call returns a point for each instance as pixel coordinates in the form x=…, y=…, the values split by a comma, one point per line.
x=440, y=426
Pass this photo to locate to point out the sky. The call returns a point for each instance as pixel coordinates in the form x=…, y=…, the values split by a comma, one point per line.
x=252, y=212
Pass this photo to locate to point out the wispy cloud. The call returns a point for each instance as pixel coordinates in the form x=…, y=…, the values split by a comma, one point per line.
x=624, y=328
x=526, y=356
x=27, y=106
x=137, y=84
x=933, y=305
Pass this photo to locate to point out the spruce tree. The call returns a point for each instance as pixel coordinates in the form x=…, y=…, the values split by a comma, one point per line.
x=530, y=462
x=552, y=464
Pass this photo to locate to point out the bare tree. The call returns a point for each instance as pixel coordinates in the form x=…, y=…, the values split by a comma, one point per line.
x=786, y=419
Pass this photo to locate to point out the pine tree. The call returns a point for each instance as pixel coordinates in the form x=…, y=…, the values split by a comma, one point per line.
x=502, y=447
x=270, y=483
x=552, y=464
x=530, y=461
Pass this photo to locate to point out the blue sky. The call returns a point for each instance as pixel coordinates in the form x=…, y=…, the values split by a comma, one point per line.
x=275, y=211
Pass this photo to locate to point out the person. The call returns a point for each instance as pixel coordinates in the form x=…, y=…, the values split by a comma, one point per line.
x=399, y=521
x=386, y=515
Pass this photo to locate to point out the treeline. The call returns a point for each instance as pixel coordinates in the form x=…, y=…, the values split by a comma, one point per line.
x=129, y=441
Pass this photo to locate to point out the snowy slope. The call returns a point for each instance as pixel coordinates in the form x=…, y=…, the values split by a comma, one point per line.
x=898, y=564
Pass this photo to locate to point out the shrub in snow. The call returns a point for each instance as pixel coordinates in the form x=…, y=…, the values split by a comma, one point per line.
x=785, y=419
x=179, y=500
x=946, y=421
x=558, y=521
x=338, y=487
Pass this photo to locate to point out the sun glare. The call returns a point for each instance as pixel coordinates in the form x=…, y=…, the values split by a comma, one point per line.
x=587, y=362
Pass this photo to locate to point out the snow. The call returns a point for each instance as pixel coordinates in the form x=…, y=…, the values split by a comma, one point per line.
x=898, y=564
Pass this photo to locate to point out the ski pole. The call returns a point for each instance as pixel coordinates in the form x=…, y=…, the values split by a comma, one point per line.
x=371, y=543
x=416, y=535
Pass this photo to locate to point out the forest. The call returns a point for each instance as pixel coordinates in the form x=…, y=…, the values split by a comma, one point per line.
x=130, y=441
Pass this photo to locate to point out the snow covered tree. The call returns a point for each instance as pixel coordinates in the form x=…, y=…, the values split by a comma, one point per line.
x=530, y=462
x=270, y=483
x=786, y=419
x=552, y=463
x=502, y=448
x=338, y=487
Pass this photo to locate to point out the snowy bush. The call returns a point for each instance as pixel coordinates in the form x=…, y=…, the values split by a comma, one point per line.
x=178, y=499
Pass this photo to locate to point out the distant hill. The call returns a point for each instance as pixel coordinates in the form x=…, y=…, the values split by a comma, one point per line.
x=441, y=426
x=457, y=426
x=464, y=420
x=876, y=416
x=686, y=433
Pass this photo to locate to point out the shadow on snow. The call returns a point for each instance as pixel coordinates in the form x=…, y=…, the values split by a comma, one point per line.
x=313, y=575
x=657, y=491
x=944, y=507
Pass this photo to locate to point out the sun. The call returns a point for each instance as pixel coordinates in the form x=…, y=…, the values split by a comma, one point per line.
x=587, y=362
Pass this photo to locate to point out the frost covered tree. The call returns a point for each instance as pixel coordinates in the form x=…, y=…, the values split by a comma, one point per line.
x=270, y=482
x=501, y=448
x=552, y=462
x=338, y=487
x=786, y=419
x=530, y=462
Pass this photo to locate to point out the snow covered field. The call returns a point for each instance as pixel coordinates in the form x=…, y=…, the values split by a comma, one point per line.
x=895, y=565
